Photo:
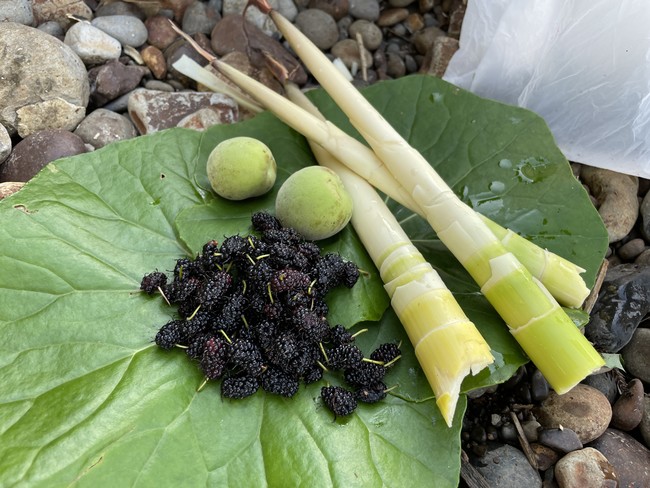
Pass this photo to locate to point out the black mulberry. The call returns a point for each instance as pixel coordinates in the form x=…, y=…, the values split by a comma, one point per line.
x=345, y=356
x=152, y=281
x=279, y=382
x=339, y=400
x=239, y=386
x=386, y=352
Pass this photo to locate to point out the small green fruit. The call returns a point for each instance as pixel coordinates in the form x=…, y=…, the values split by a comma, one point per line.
x=314, y=201
x=240, y=168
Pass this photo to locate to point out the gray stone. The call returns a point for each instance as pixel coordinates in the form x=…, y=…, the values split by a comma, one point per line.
x=53, y=28
x=631, y=249
x=605, y=382
x=102, y=127
x=586, y=467
x=623, y=301
x=582, y=409
x=364, y=9
x=38, y=69
x=5, y=143
x=128, y=30
x=257, y=18
x=19, y=11
x=92, y=45
x=531, y=430
x=636, y=355
x=395, y=66
x=562, y=440
x=630, y=458
x=37, y=150
x=200, y=17
x=539, y=387
x=348, y=51
x=370, y=33
x=152, y=111
x=320, y=27
x=506, y=466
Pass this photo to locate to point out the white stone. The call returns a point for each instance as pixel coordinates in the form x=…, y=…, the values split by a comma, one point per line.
x=92, y=45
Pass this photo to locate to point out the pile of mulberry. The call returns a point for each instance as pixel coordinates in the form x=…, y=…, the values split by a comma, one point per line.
x=252, y=314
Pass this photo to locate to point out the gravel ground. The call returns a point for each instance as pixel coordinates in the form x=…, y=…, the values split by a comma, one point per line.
x=115, y=81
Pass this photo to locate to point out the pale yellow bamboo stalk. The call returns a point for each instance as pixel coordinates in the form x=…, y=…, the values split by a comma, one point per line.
x=535, y=319
x=560, y=276
x=447, y=344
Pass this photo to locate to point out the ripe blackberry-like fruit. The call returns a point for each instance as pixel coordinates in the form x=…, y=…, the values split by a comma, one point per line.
x=306, y=357
x=339, y=400
x=289, y=280
x=313, y=374
x=181, y=290
x=278, y=382
x=371, y=394
x=311, y=326
x=283, y=350
x=169, y=334
x=364, y=374
x=152, y=281
x=386, y=352
x=345, y=356
x=215, y=357
x=213, y=289
x=339, y=335
x=349, y=274
x=233, y=247
x=239, y=386
x=265, y=332
x=196, y=345
x=263, y=221
x=247, y=356
x=229, y=319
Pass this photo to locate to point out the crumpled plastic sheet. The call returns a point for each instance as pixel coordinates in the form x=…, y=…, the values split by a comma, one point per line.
x=583, y=65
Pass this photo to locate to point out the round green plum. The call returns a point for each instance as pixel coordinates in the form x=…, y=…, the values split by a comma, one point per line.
x=314, y=202
x=240, y=168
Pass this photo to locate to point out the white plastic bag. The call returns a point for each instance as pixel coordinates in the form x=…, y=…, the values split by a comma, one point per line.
x=583, y=65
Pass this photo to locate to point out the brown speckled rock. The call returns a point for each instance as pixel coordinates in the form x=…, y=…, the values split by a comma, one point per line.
x=9, y=188
x=586, y=467
x=583, y=409
x=37, y=150
x=152, y=110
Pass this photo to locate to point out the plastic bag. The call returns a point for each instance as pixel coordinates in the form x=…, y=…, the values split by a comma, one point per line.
x=583, y=65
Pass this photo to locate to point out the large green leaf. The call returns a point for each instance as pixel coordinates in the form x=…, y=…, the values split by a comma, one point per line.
x=87, y=399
